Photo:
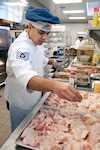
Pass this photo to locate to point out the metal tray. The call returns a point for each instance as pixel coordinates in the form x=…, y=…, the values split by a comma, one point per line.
x=95, y=76
x=64, y=76
x=19, y=143
x=83, y=77
x=64, y=111
x=82, y=72
x=84, y=58
x=60, y=76
x=28, y=119
x=82, y=65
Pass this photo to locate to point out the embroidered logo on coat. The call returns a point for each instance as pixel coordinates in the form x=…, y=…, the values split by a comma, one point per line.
x=24, y=56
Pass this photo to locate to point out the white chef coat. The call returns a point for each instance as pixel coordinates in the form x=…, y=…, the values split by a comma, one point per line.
x=80, y=43
x=25, y=60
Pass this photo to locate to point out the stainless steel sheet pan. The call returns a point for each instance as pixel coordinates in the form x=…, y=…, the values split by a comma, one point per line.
x=64, y=111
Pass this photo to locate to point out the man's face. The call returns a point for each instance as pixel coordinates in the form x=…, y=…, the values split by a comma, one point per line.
x=36, y=35
x=80, y=38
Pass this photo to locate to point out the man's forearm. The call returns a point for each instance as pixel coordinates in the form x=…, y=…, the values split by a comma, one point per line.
x=41, y=84
x=63, y=89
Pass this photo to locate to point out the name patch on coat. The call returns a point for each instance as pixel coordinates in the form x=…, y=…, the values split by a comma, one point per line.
x=24, y=56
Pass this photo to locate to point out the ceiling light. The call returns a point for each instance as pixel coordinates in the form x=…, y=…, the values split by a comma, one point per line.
x=77, y=18
x=14, y=4
x=66, y=1
x=72, y=11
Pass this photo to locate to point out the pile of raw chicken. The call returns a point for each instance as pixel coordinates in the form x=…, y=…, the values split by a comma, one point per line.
x=90, y=102
x=54, y=129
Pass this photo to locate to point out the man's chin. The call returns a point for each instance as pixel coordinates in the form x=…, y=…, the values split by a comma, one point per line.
x=39, y=43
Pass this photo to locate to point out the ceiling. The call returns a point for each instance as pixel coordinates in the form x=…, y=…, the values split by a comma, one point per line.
x=57, y=9
x=53, y=8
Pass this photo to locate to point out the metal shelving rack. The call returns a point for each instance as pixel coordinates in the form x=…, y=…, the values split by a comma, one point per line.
x=57, y=42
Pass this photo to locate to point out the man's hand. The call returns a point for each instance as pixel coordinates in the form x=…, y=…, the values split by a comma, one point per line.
x=53, y=62
x=66, y=91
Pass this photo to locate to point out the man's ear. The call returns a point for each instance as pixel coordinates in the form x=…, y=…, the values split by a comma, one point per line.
x=29, y=26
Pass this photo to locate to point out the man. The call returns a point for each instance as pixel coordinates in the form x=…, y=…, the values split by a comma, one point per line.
x=25, y=64
x=80, y=41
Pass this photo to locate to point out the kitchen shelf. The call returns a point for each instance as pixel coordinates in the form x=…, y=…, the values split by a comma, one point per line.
x=94, y=33
x=55, y=45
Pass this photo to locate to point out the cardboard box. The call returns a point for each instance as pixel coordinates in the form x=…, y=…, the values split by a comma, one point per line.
x=88, y=51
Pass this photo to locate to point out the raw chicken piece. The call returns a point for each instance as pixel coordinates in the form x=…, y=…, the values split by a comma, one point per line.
x=86, y=146
x=79, y=129
x=56, y=148
x=85, y=95
x=90, y=119
x=95, y=108
x=77, y=123
x=84, y=104
x=94, y=135
x=82, y=109
x=31, y=139
x=46, y=142
x=97, y=146
x=60, y=127
x=79, y=134
x=69, y=117
x=34, y=123
x=74, y=145
x=63, y=138
x=26, y=132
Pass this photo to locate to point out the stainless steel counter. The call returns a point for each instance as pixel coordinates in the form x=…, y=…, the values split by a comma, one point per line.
x=10, y=142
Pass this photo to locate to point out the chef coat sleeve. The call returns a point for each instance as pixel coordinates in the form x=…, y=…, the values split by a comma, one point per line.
x=45, y=61
x=22, y=69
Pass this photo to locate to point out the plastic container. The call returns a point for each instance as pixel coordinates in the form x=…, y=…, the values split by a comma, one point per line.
x=96, y=59
x=96, y=86
x=95, y=17
x=72, y=78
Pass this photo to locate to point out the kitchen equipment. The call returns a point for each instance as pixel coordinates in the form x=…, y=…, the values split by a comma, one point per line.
x=84, y=58
x=59, y=68
x=72, y=78
x=96, y=59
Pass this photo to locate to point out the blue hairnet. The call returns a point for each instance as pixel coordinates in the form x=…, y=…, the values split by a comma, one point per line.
x=41, y=14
